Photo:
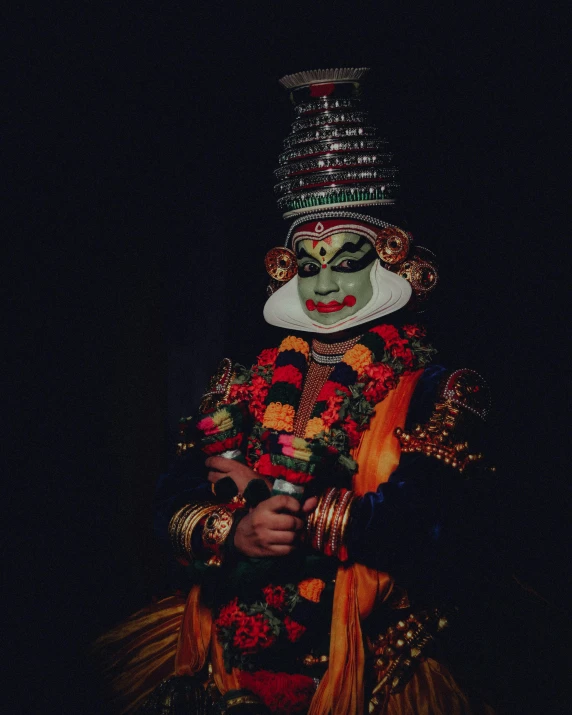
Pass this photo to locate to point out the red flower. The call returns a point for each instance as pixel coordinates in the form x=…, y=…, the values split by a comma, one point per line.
x=267, y=357
x=258, y=393
x=289, y=374
x=282, y=693
x=330, y=389
x=238, y=393
x=253, y=633
x=294, y=630
x=380, y=372
x=381, y=380
x=275, y=596
x=264, y=465
x=218, y=447
x=351, y=429
x=389, y=333
x=414, y=331
x=399, y=350
x=228, y=614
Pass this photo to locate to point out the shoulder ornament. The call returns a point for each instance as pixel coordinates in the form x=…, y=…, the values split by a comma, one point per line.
x=219, y=386
x=463, y=394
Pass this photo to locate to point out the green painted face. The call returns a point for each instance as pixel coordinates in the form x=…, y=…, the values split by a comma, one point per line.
x=333, y=276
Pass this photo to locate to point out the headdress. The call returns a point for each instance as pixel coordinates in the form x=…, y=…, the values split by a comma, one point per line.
x=337, y=175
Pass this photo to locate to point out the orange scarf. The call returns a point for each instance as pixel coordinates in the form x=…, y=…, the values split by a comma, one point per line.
x=358, y=588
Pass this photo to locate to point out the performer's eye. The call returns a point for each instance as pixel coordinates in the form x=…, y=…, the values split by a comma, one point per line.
x=308, y=269
x=353, y=265
x=347, y=265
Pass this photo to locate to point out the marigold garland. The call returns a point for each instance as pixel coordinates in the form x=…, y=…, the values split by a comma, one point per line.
x=270, y=393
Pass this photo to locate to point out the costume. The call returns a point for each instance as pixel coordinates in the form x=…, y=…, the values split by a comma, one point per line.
x=349, y=409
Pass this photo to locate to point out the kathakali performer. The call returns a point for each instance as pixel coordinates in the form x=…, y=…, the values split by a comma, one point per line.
x=317, y=535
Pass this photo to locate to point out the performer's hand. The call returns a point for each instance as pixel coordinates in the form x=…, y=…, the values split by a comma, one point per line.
x=220, y=467
x=272, y=528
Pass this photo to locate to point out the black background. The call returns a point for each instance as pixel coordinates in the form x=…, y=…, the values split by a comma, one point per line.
x=144, y=137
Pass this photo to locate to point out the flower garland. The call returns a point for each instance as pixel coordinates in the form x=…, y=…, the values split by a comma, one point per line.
x=258, y=418
x=270, y=394
x=247, y=630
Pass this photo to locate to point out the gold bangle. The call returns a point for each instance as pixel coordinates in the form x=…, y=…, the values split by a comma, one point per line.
x=341, y=547
x=335, y=533
x=319, y=536
x=182, y=524
x=194, y=521
x=175, y=524
x=330, y=520
x=186, y=527
x=313, y=520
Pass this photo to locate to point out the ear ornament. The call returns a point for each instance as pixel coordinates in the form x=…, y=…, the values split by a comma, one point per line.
x=281, y=264
x=392, y=245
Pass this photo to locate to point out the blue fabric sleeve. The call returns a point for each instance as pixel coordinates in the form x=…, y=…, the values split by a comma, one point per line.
x=403, y=527
x=184, y=483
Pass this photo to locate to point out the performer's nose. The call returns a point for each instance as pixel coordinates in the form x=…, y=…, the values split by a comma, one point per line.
x=326, y=282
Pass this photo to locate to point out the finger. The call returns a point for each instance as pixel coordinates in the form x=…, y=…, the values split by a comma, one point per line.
x=214, y=477
x=309, y=505
x=281, y=537
x=286, y=522
x=221, y=464
x=282, y=502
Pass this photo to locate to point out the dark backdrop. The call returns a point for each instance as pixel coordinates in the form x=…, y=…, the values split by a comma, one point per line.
x=145, y=135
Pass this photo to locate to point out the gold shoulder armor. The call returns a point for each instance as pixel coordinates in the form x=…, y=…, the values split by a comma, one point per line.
x=219, y=386
x=463, y=394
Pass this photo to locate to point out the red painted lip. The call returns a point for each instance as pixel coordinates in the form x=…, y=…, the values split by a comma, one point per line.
x=330, y=307
x=333, y=306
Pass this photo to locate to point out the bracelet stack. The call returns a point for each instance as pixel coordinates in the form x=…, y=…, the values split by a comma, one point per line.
x=328, y=523
x=216, y=521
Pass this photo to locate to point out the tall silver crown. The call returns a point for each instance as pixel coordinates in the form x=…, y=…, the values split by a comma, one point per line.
x=332, y=157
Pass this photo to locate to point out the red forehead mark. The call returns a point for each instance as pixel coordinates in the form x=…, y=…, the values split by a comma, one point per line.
x=327, y=240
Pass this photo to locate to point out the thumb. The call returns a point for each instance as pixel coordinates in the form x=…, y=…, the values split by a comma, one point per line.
x=309, y=505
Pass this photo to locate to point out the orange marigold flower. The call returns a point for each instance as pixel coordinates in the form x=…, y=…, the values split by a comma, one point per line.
x=332, y=411
x=311, y=589
x=279, y=417
x=358, y=357
x=314, y=427
x=293, y=343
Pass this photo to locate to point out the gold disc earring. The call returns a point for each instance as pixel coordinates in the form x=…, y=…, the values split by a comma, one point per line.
x=392, y=245
x=281, y=264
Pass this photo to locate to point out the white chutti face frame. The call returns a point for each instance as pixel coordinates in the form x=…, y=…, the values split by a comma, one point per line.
x=390, y=293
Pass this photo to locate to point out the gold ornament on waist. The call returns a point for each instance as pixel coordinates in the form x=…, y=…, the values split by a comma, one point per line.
x=398, y=651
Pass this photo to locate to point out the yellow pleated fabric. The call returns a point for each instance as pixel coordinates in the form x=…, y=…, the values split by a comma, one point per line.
x=139, y=653
x=197, y=640
x=359, y=588
x=433, y=691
